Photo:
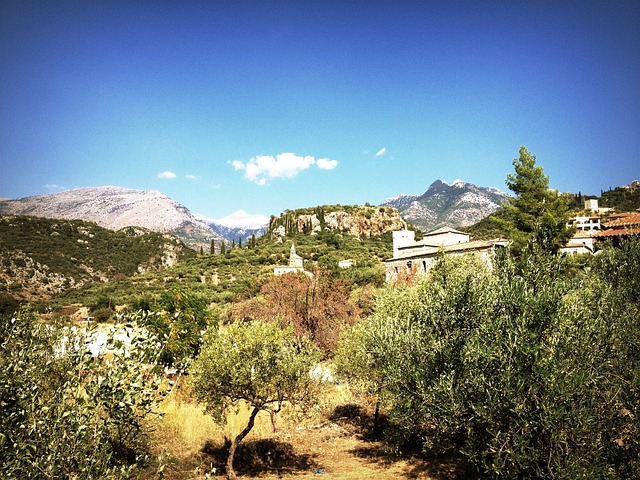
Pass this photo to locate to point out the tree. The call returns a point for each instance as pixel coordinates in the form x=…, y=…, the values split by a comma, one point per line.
x=257, y=363
x=316, y=306
x=537, y=216
x=223, y=248
x=182, y=317
x=213, y=245
x=525, y=375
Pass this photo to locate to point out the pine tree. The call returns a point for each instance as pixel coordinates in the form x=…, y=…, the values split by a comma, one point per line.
x=213, y=246
x=223, y=249
x=536, y=215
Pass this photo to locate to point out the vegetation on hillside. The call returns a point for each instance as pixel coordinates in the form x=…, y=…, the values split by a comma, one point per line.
x=40, y=257
x=240, y=273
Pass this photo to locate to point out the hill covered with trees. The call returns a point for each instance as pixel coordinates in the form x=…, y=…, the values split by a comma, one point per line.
x=42, y=257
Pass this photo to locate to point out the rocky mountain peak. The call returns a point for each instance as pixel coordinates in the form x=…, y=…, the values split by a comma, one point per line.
x=457, y=204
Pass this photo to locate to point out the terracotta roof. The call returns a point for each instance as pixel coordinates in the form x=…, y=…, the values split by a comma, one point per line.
x=627, y=219
x=616, y=232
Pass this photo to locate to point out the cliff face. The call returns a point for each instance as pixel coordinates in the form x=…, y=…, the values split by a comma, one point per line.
x=357, y=221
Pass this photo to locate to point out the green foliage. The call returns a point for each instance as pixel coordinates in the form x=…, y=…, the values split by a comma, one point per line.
x=8, y=304
x=65, y=413
x=78, y=251
x=240, y=274
x=180, y=320
x=526, y=372
x=622, y=199
x=257, y=363
x=536, y=215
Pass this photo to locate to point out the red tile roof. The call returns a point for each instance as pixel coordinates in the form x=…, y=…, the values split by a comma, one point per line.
x=628, y=219
x=616, y=232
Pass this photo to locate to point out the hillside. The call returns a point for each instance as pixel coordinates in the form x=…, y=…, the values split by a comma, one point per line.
x=41, y=257
x=115, y=208
x=457, y=205
x=240, y=272
x=357, y=221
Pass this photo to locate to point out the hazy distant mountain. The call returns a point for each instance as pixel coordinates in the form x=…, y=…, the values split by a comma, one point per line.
x=239, y=224
x=458, y=204
x=115, y=208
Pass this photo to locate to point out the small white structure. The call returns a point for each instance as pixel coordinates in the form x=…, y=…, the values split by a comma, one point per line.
x=296, y=263
x=586, y=223
x=582, y=242
x=346, y=263
x=402, y=238
x=592, y=204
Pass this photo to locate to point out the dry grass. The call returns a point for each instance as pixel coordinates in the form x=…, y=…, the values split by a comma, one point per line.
x=330, y=442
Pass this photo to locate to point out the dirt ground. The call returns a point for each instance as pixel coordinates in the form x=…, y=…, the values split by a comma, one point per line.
x=336, y=449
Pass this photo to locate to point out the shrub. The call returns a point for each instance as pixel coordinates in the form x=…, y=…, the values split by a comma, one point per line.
x=527, y=373
x=66, y=413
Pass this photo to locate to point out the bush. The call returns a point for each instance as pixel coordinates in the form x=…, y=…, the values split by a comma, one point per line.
x=66, y=413
x=527, y=373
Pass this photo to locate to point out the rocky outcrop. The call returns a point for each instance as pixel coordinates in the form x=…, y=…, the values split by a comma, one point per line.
x=357, y=221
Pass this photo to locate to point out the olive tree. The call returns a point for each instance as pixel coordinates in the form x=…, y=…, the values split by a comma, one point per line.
x=257, y=363
x=525, y=375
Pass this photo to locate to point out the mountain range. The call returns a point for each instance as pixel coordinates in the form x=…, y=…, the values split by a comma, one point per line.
x=458, y=204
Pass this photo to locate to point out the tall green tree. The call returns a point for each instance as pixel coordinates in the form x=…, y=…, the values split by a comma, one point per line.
x=536, y=218
x=255, y=363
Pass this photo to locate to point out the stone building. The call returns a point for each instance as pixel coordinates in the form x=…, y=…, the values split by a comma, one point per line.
x=411, y=258
x=296, y=263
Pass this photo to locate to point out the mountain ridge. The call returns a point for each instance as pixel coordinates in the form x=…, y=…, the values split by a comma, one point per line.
x=457, y=204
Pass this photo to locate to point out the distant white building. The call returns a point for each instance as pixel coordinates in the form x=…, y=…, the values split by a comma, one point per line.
x=592, y=205
x=296, y=263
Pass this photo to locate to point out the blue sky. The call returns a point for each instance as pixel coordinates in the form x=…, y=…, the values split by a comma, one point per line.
x=264, y=106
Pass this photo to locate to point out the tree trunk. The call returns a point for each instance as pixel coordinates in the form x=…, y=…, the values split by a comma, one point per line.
x=231, y=473
x=376, y=416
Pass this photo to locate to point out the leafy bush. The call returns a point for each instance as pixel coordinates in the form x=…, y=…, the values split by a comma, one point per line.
x=65, y=413
x=526, y=372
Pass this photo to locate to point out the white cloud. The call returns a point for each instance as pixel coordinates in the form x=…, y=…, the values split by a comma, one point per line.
x=326, y=164
x=52, y=187
x=381, y=152
x=167, y=174
x=261, y=168
x=191, y=177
